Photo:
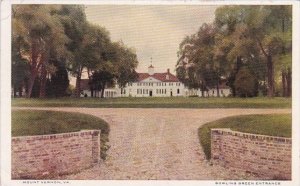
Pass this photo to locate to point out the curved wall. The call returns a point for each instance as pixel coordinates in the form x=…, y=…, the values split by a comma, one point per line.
x=267, y=157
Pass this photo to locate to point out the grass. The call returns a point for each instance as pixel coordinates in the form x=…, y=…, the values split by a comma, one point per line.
x=26, y=123
x=270, y=124
x=156, y=102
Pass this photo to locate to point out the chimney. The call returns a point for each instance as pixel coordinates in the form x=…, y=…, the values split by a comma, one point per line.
x=167, y=75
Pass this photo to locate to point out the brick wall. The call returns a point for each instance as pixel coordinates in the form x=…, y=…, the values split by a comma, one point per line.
x=267, y=157
x=46, y=156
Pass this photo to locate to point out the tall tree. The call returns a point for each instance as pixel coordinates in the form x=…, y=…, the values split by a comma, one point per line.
x=117, y=67
x=74, y=21
x=40, y=31
x=103, y=77
x=126, y=64
x=196, y=57
x=256, y=27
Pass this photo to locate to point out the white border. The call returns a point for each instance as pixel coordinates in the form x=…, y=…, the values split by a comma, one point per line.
x=5, y=83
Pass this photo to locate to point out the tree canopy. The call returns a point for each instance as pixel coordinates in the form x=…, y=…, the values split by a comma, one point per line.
x=51, y=41
x=254, y=37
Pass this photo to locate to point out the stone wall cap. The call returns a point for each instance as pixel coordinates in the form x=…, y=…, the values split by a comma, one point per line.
x=57, y=134
x=244, y=134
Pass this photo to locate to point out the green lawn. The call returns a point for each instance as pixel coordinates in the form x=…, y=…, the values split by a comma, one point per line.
x=25, y=123
x=168, y=102
x=270, y=124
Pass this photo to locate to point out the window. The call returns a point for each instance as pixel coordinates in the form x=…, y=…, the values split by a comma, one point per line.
x=124, y=91
x=178, y=91
x=156, y=91
x=165, y=91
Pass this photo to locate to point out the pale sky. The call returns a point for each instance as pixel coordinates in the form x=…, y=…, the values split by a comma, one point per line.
x=154, y=31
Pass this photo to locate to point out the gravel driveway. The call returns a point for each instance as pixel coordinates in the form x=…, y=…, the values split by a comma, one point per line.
x=158, y=143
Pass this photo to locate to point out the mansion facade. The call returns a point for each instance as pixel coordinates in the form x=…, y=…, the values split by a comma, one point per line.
x=153, y=84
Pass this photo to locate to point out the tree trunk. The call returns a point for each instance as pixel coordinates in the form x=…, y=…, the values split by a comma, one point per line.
x=44, y=61
x=238, y=63
x=77, y=89
x=289, y=82
x=20, y=90
x=43, y=81
x=33, y=66
x=218, y=89
x=201, y=89
x=78, y=82
x=284, y=87
x=236, y=70
x=92, y=92
x=31, y=83
x=102, y=90
x=15, y=91
x=270, y=70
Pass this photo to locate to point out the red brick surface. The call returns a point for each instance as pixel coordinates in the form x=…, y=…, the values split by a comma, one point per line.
x=46, y=156
x=267, y=157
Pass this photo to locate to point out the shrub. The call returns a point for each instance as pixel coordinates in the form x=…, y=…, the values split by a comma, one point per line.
x=246, y=84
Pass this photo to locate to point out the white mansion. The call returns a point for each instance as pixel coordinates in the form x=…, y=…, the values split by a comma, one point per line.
x=153, y=84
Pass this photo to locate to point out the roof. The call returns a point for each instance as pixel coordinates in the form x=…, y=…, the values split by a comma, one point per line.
x=159, y=76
